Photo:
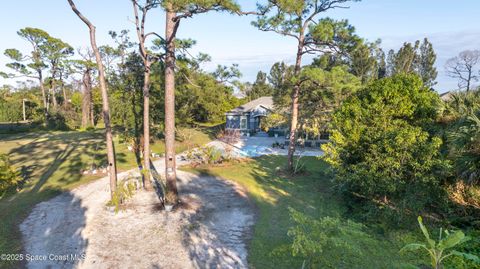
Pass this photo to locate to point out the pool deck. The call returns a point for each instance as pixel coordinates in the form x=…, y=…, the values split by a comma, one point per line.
x=259, y=146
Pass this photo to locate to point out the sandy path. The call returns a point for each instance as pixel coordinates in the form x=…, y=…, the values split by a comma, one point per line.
x=210, y=231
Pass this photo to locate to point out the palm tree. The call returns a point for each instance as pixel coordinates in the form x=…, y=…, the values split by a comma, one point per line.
x=464, y=137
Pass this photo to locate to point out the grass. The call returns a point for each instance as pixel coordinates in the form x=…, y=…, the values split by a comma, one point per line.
x=313, y=195
x=51, y=162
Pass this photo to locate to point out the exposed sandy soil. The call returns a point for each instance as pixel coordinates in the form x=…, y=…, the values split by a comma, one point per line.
x=210, y=230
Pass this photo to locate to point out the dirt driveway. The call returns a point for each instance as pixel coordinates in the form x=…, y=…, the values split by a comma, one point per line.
x=77, y=230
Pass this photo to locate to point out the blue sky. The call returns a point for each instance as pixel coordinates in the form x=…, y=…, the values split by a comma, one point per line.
x=452, y=26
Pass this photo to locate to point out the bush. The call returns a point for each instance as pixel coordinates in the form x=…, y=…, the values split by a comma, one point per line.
x=9, y=177
x=63, y=120
x=381, y=148
x=464, y=135
x=208, y=155
x=473, y=247
x=211, y=155
x=315, y=239
x=274, y=121
x=229, y=136
x=10, y=110
x=11, y=107
x=57, y=121
x=125, y=190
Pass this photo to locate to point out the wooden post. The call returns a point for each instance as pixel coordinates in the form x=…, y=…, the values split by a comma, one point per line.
x=24, y=114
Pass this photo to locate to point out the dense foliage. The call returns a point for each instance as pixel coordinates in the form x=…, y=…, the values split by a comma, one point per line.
x=9, y=177
x=463, y=134
x=11, y=104
x=322, y=92
x=259, y=88
x=315, y=239
x=201, y=97
x=387, y=148
x=381, y=148
x=418, y=58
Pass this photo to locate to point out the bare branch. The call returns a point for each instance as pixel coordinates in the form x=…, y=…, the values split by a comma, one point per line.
x=191, y=82
x=80, y=15
x=246, y=13
x=271, y=29
x=154, y=34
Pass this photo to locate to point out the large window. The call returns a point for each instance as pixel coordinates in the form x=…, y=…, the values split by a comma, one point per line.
x=243, y=122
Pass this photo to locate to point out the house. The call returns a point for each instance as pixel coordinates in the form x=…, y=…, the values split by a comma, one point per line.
x=446, y=96
x=248, y=117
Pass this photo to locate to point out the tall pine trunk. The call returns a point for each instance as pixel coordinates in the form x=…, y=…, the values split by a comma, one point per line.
x=65, y=99
x=112, y=169
x=170, y=166
x=87, y=98
x=52, y=91
x=44, y=94
x=146, y=127
x=64, y=91
x=294, y=117
x=92, y=108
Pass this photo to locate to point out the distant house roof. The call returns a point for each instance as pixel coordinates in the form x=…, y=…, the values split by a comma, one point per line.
x=446, y=96
x=266, y=102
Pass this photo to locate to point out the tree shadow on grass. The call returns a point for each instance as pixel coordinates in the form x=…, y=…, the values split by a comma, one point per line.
x=274, y=192
x=49, y=162
x=314, y=195
x=58, y=159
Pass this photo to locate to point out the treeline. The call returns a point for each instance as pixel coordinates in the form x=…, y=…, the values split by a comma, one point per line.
x=394, y=144
x=334, y=76
x=69, y=96
x=397, y=149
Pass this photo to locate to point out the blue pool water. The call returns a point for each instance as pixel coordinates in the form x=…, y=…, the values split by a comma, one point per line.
x=255, y=151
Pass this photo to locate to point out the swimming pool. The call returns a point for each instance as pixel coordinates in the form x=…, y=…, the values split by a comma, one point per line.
x=256, y=151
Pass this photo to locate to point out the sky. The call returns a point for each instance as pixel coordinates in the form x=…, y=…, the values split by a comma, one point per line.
x=452, y=26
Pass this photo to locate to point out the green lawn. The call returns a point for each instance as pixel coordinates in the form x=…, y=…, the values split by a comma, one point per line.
x=52, y=162
x=312, y=194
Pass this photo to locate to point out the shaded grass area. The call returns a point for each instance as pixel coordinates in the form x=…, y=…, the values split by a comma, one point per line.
x=312, y=194
x=51, y=162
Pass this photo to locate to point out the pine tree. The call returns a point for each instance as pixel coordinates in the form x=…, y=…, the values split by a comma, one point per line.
x=299, y=20
x=260, y=87
x=425, y=64
x=176, y=11
x=414, y=59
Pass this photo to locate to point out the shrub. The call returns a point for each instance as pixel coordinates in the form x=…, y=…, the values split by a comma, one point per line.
x=125, y=190
x=381, y=148
x=315, y=239
x=464, y=135
x=211, y=155
x=208, y=155
x=57, y=121
x=10, y=110
x=274, y=120
x=229, y=136
x=465, y=194
x=186, y=135
x=9, y=177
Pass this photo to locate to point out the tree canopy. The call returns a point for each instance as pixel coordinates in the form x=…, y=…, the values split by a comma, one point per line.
x=380, y=144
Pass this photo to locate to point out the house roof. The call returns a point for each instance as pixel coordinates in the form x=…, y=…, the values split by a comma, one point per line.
x=446, y=96
x=266, y=102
